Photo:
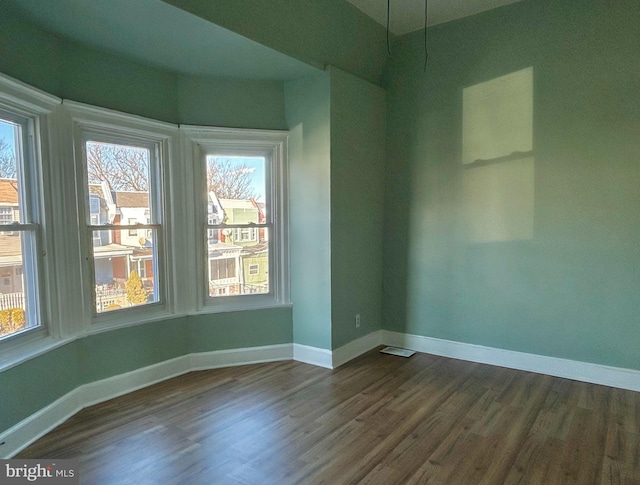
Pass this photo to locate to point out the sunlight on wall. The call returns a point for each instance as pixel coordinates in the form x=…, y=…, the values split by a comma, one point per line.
x=497, y=156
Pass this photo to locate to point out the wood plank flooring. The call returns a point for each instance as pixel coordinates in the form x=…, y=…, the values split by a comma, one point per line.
x=379, y=419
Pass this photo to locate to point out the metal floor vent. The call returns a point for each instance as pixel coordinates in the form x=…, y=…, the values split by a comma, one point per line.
x=397, y=351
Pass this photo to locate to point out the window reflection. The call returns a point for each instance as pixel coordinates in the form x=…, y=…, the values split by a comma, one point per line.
x=497, y=156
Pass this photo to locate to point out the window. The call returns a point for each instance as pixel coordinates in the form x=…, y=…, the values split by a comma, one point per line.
x=19, y=238
x=6, y=215
x=133, y=222
x=120, y=186
x=123, y=172
x=222, y=269
x=245, y=234
x=241, y=203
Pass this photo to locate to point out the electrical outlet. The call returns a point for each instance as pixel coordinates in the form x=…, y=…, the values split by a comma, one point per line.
x=358, y=320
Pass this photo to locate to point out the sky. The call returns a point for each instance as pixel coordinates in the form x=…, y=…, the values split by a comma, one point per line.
x=255, y=164
x=6, y=132
x=257, y=176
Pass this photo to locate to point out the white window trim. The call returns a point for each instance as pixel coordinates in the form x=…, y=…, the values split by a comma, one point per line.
x=198, y=141
x=37, y=107
x=90, y=120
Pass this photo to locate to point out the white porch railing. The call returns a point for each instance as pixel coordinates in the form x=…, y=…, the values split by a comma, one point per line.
x=107, y=297
x=11, y=300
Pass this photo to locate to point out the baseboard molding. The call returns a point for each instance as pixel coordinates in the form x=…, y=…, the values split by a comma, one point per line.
x=313, y=355
x=245, y=356
x=112, y=387
x=16, y=438
x=41, y=422
x=553, y=366
x=354, y=349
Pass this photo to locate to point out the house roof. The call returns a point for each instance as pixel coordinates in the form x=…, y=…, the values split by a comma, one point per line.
x=110, y=250
x=131, y=199
x=8, y=192
x=255, y=249
x=220, y=248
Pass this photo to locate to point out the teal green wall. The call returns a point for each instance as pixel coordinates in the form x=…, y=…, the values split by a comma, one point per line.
x=115, y=352
x=573, y=290
x=358, y=127
x=29, y=387
x=102, y=79
x=38, y=382
x=27, y=53
x=220, y=331
x=318, y=32
x=307, y=104
x=234, y=103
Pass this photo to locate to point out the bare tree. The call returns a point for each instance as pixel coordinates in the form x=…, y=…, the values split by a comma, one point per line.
x=228, y=180
x=121, y=167
x=7, y=161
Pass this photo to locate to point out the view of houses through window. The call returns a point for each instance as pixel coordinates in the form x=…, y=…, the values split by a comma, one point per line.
x=237, y=229
x=18, y=287
x=124, y=259
x=122, y=227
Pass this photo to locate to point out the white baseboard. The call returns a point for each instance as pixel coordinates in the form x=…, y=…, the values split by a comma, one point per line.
x=38, y=424
x=332, y=359
x=553, y=366
x=233, y=357
x=16, y=438
x=353, y=349
x=41, y=422
x=313, y=355
x=111, y=387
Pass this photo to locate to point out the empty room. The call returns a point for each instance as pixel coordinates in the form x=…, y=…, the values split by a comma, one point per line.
x=320, y=241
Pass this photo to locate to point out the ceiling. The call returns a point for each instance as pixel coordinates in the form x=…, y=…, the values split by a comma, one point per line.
x=156, y=33
x=153, y=32
x=408, y=15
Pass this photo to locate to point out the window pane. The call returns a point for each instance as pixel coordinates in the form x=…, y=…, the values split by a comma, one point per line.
x=119, y=178
x=237, y=189
x=238, y=256
x=238, y=268
x=18, y=275
x=9, y=173
x=124, y=272
x=125, y=261
x=14, y=314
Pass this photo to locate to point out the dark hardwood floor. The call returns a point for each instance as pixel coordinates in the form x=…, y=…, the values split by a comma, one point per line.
x=378, y=419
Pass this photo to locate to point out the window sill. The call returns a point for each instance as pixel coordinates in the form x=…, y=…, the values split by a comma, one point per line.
x=239, y=308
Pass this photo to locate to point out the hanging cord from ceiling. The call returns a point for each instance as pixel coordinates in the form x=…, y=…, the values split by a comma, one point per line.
x=426, y=21
x=426, y=17
x=388, y=23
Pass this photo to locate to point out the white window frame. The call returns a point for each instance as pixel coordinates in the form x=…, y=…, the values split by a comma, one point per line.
x=199, y=142
x=32, y=109
x=91, y=123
